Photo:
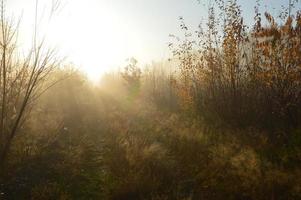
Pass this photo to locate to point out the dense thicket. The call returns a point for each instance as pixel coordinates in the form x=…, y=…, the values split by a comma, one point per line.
x=239, y=75
x=222, y=121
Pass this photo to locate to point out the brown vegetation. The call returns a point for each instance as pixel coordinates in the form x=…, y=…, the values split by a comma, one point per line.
x=220, y=122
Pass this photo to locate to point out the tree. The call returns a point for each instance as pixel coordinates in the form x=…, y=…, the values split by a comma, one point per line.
x=132, y=76
x=21, y=80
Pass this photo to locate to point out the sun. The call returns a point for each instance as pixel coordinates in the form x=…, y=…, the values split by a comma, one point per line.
x=92, y=34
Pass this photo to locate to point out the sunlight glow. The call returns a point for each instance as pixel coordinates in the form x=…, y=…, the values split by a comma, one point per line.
x=94, y=36
x=91, y=34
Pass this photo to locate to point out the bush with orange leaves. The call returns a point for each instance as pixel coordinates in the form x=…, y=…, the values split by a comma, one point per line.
x=238, y=76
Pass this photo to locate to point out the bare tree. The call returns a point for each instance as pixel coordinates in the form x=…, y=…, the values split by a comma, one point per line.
x=21, y=80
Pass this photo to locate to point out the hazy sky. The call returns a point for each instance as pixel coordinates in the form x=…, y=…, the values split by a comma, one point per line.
x=99, y=34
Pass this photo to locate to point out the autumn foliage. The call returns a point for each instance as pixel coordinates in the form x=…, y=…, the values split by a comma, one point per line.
x=222, y=120
x=242, y=76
